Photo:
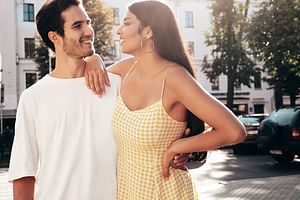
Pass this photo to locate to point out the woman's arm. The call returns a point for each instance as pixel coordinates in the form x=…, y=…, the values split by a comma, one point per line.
x=96, y=74
x=226, y=128
x=121, y=67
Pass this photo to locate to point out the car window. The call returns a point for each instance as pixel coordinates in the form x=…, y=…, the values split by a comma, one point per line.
x=251, y=120
x=296, y=121
x=283, y=116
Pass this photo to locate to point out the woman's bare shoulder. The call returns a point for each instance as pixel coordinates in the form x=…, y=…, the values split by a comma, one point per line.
x=177, y=72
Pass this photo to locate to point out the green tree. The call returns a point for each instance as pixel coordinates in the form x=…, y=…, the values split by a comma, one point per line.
x=102, y=23
x=42, y=57
x=274, y=37
x=228, y=49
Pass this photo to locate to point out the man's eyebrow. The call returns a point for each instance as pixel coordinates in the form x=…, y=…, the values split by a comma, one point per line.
x=81, y=22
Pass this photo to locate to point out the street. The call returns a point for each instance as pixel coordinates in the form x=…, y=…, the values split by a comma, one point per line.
x=223, y=165
x=221, y=169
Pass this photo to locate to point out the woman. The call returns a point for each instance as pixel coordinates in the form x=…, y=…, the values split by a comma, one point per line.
x=157, y=92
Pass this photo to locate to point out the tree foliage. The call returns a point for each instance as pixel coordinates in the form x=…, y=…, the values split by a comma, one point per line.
x=102, y=23
x=228, y=50
x=274, y=37
x=42, y=57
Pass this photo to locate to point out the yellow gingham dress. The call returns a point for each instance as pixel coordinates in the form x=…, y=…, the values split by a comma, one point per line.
x=142, y=136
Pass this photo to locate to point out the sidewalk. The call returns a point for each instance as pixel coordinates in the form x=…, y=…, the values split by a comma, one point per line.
x=5, y=187
x=274, y=188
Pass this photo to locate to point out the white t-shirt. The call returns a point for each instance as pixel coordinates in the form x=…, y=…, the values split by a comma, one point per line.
x=63, y=137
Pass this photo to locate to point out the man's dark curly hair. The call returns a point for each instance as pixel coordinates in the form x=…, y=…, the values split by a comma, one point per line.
x=49, y=19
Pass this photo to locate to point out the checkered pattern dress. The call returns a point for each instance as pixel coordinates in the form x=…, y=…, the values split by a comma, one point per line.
x=142, y=136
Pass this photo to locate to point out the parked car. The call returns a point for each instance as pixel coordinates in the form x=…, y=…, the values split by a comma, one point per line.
x=279, y=134
x=251, y=123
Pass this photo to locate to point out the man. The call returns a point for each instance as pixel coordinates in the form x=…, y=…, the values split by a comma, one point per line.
x=63, y=141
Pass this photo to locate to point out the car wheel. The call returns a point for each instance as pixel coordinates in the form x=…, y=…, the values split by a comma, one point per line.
x=266, y=135
x=283, y=159
x=198, y=157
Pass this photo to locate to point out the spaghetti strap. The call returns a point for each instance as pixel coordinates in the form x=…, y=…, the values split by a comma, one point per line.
x=163, y=84
x=128, y=72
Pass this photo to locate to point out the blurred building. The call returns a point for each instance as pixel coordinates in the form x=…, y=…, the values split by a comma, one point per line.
x=194, y=18
x=17, y=44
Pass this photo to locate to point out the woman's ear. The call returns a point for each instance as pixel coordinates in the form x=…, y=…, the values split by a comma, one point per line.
x=147, y=32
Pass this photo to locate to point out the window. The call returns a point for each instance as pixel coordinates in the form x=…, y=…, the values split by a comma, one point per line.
x=259, y=108
x=29, y=47
x=30, y=78
x=191, y=48
x=210, y=18
x=215, y=84
x=116, y=16
x=240, y=109
x=2, y=92
x=28, y=12
x=257, y=81
x=116, y=49
x=189, y=19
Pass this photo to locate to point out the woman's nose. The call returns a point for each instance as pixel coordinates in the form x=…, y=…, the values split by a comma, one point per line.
x=119, y=30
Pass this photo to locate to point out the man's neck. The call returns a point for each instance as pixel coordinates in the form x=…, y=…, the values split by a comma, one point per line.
x=68, y=68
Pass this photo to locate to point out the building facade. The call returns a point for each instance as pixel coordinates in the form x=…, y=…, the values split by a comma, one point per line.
x=18, y=30
x=19, y=71
x=194, y=19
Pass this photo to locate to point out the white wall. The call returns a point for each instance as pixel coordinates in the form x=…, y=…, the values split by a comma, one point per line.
x=8, y=49
x=25, y=30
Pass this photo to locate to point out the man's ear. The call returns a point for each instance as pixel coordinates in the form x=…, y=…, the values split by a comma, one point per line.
x=54, y=37
x=147, y=32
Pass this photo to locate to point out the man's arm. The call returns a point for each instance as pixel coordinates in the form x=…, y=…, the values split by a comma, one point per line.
x=24, y=159
x=23, y=188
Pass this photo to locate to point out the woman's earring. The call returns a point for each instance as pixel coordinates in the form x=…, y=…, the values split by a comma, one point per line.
x=152, y=46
